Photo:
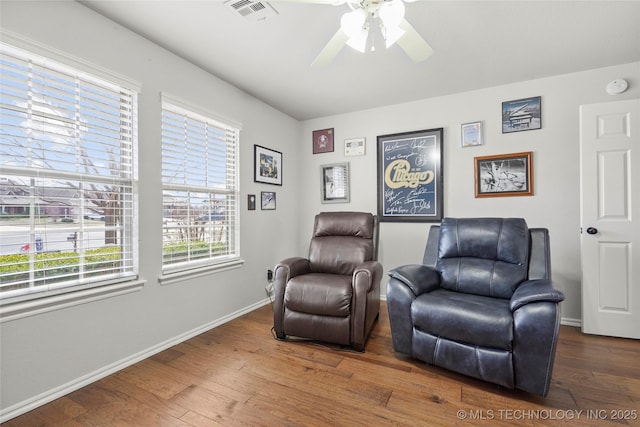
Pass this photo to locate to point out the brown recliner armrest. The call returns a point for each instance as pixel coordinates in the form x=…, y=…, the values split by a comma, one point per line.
x=367, y=273
x=366, y=301
x=292, y=267
x=284, y=271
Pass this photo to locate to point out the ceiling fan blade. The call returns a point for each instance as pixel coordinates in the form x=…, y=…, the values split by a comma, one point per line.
x=332, y=48
x=413, y=44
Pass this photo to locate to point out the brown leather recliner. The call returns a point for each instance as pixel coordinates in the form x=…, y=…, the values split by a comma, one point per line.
x=334, y=294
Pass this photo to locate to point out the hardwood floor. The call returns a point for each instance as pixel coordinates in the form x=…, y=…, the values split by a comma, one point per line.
x=239, y=375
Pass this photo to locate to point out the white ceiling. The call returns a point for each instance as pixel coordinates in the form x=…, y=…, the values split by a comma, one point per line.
x=477, y=44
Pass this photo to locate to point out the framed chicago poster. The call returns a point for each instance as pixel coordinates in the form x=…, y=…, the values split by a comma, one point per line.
x=410, y=176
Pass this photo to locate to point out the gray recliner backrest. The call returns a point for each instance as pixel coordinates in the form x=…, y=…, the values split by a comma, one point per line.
x=483, y=256
x=539, y=253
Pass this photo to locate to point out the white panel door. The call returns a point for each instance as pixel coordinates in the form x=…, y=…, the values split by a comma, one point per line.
x=610, y=218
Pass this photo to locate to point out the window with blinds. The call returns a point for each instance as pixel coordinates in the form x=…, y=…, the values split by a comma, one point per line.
x=199, y=189
x=67, y=176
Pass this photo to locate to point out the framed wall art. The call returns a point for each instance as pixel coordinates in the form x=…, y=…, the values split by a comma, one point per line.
x=268, y=200
x=504, y=175
x=322, y=141
x=251, y=202
x=267, y=165
x=471, y=134
x=334, y=183
x=355, y=146
x=410, y=176
x=521, y=114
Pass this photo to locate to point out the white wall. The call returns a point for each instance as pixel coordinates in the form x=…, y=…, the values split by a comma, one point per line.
x=48, y=354
x=556, y=200
x=57, y=350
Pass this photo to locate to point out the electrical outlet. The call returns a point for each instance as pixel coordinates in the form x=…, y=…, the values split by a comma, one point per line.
x=269, y=286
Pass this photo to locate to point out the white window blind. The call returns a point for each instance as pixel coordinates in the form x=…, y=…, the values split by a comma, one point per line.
x=67, y=176
x=200, y=189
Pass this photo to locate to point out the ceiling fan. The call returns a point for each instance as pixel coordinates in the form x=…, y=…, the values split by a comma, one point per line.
x=371, y=23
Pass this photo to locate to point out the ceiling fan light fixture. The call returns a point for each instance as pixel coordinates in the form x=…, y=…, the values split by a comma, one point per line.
x=354, y=25
x=369, y=23
x=392, y=35
x=358, y=43
x=391, y=13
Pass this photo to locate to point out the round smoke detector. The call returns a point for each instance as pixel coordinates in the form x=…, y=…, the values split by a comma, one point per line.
x=617, y=86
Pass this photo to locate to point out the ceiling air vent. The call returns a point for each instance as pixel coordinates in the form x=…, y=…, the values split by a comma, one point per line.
x=252, y=10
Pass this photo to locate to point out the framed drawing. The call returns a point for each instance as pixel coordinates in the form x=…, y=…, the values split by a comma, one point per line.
x=267, y=165
x=334, y=183
x=410, y=176
x=504, y=175
x=354, y=146
x=471, y=134
x=521, y=114
x=323, y=141
x=268, y=200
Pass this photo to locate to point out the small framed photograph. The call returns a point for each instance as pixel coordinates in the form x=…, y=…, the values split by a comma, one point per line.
x=471, y=134
x=354, y=146
x=504, y=175
x=267, y=165
x=251, y=202
x=521, y=114
x=334, y=183
x=323, y=141
x=268, y=200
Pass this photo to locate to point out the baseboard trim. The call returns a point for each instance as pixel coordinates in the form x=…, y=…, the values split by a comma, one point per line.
x=567, y=321
x=64, y=389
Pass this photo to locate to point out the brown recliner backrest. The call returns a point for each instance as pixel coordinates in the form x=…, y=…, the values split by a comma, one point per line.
x=342, y=240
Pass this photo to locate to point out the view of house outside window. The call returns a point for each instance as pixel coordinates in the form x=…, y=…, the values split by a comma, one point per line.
x=67, y=174
x=200, y=189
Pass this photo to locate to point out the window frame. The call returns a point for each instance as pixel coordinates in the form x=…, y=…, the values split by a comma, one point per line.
x=30, y=300
x=174, y=272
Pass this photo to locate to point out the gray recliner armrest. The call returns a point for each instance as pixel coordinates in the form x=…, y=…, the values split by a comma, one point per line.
x=535, y=291
x=419, y=278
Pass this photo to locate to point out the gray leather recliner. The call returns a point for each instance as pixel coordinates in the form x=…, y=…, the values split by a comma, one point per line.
x=481, y=304
x=334, y=294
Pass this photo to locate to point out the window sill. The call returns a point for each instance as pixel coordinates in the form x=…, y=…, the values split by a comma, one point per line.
x=178, y=276
x=18, y=310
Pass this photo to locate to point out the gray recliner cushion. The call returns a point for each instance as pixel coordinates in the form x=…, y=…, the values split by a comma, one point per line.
x=465, y=318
